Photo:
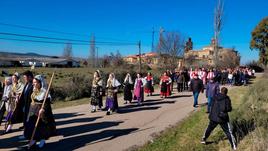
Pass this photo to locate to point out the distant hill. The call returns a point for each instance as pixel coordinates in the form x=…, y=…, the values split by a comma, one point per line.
x=16, y=54
x=32, y=55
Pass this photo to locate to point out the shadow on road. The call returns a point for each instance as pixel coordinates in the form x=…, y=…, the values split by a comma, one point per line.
x=14, y=142
x=79, y=120
x=74, y=130
x=135, y=108
x=178, y=96
x=83, y=140
x=66, y=115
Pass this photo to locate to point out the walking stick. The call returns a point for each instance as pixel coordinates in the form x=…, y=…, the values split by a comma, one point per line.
x=37, y=121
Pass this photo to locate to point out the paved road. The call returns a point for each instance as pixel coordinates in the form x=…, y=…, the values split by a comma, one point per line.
x=78, y=129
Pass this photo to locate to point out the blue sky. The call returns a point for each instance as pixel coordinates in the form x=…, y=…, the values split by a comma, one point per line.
x=128, y=21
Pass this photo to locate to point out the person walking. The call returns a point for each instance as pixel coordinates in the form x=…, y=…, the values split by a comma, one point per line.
x=96, y=92
x=149, y=88
x=212, y=89
x=128, y=86
x=46, y=126
x=196, y=86
x=5, y=101
x=219, y=115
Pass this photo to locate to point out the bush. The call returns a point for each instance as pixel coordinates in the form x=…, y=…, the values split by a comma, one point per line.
x=252, y=115
x=77, y=87
x=256, y=66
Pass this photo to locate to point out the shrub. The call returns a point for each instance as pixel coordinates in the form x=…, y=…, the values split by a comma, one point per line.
x=252, y=115
x=77, y=87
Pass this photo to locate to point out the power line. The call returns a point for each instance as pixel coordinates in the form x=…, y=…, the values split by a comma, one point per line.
x=40, y=29
x=57, y=42
x=61, y=39
x=54, y=31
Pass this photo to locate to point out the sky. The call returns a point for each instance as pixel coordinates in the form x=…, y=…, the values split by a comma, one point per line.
x=123, y=23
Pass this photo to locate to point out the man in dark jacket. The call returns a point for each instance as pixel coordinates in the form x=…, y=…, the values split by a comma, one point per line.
x=219, y=115
x=212, y=90
x=25, y=99
x=196, y=85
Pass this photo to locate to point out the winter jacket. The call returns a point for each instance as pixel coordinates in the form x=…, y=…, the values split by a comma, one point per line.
x=220, y=107
x=212, y=89
x=196, y=85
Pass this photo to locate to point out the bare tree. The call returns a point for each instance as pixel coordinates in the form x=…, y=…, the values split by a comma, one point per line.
x=189, y=60
x=170, y=49
x=67, y=51
x=229, y=59
x=92, y=54
x=218, y=24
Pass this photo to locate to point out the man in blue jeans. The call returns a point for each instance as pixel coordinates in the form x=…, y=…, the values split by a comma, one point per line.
x=196, y=85
x=212, y=90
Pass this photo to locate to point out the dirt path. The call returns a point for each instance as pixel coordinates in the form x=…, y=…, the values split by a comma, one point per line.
x=78, y=129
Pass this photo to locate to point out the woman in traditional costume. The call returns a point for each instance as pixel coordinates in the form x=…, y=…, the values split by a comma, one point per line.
x=46, y=126
x=138, y=89
x=128, y=86
x=112, y=89
x=5, y=101
x=165, y=82
x=149, y=88
x=96, y=91
x=14, y=115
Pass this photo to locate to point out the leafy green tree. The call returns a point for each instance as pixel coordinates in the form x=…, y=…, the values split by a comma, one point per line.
x=259, y=40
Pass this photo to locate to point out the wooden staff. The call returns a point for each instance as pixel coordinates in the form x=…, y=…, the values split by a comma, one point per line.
x=43, y=104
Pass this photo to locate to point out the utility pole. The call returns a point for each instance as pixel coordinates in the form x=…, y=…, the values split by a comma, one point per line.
x=153, y=31
x=92, y=50
x=97, y=57
x=139, y=44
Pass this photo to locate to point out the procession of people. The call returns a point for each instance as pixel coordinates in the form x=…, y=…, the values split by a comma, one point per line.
x=29, y=102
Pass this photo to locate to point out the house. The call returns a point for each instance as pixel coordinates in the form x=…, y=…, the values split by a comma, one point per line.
x=152, y=59
x=206, y=55
x=31, y=62
x=61, y=62
x=9, y=62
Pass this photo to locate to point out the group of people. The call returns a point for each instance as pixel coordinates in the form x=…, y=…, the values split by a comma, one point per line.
x=133, y=90
x=227, y=76
x=187, y=80
x=22, y=103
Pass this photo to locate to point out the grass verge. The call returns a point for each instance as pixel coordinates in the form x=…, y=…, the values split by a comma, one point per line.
x=186, y=135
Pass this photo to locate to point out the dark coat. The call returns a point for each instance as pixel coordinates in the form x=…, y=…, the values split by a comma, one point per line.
x=196, y=85
x=23, y=105
x=220, y=107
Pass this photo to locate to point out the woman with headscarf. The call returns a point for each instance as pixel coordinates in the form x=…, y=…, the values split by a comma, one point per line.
x=128, y=88
x=138, y=89
x=96, y=91
x=15, y=114
x=149, y=88
x=46, y=126
x=165, y=82
x=5, y=102
x=112, y=89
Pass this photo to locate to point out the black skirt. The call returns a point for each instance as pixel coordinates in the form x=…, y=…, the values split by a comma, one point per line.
x=45, y=128
x=127, y=92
